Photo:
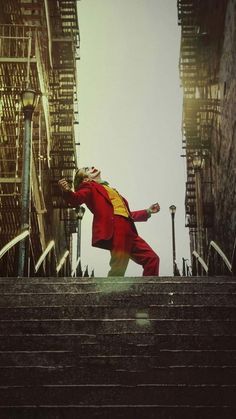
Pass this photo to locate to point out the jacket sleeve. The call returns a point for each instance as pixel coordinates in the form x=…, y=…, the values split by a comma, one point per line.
x=141, y=215
x=82, y=196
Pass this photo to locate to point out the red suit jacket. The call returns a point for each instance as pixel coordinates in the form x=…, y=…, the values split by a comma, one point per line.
x=96, y=198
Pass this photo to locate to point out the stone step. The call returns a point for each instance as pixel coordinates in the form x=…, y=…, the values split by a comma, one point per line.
x=125, y=300
x=135, y=355
x=87, y=342
x=134, y=358
x=115, y=280
x=100, y=395
x=121, y=288
x=100, y=326
x=119, y=412
x=65, y=375
x=113, y=311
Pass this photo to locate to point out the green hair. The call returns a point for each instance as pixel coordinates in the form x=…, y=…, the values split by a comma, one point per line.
x=78, y=179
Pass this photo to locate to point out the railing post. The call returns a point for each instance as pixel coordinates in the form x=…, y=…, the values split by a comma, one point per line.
x=184, y=267
x=213, y=265
x=172, y=209
x=194, y=266
x=233, y=263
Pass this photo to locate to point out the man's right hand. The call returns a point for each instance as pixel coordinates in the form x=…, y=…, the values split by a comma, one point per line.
x=64, y=185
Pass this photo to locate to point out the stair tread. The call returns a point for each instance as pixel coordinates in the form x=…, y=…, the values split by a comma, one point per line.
x=124, y=280
x=120, y=412
x=99, y=395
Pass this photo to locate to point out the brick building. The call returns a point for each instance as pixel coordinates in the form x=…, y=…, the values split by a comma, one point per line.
x=207, y=71
x=39, y=46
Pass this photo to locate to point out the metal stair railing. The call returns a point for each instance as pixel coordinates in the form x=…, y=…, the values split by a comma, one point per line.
x=215, y=267
x=13, y=242
x=201, y=261
x=43, y=258
x=57, y=269
x=9, y=252
x=62, y=261
x=233, y=261
x=78, y=261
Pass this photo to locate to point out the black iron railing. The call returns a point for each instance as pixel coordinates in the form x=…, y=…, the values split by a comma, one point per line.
x=217, y=262
x=46, y=265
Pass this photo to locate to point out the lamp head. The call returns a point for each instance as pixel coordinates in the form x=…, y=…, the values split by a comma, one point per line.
x=29, y=98
x=172, y=209
x=29, y=101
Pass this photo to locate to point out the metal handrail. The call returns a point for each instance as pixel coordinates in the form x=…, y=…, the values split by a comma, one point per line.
x=13, y=242
x=76, y=266
x=201, y=261
x=233, y=260
x=62, y=261
x=221, y=254
x=49, y=247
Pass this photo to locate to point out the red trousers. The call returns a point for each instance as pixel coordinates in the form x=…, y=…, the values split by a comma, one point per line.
x=126, y=244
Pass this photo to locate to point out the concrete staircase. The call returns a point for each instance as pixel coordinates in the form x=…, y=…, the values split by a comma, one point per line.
x=135, y=348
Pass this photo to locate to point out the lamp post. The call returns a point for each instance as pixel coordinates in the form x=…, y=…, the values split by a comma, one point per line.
x=198, y=162
x=28, y=99
x=80, y=213
x=172, y=209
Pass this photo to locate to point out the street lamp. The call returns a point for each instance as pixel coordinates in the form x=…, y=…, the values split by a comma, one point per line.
x=172, y=209
x=80, y=213
x=29, y=100
x=198, y=162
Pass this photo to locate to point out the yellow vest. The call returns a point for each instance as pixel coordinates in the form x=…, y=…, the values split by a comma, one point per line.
x=117, y=202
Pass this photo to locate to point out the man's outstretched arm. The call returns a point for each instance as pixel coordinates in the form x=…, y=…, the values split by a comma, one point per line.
x=75, y=198
x=153, y=209
x=143, y=215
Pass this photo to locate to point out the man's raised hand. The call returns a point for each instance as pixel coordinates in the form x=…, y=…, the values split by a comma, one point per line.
x=154, y=208
x=64, y=185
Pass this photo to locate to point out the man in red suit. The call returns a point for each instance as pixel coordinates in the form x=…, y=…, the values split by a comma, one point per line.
x=113, y=222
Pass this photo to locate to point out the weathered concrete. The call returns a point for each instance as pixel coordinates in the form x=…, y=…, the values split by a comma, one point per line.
x=120, y=347
x=224, y=140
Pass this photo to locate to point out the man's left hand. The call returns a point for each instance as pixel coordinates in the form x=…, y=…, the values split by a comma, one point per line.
x=154, y=208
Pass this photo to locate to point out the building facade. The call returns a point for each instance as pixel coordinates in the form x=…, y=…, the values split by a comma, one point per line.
x=39, y=46
x=207, y=71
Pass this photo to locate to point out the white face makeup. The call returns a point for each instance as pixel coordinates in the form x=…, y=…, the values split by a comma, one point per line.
x=93, y=173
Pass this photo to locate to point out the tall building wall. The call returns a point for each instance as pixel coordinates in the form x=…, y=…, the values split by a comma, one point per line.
x=207, y=71
x=224, y=140
x=39, y=46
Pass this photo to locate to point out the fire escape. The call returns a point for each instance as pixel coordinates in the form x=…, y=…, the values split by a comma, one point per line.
x=199, y=61
x=63, y=106
x=39, y=44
